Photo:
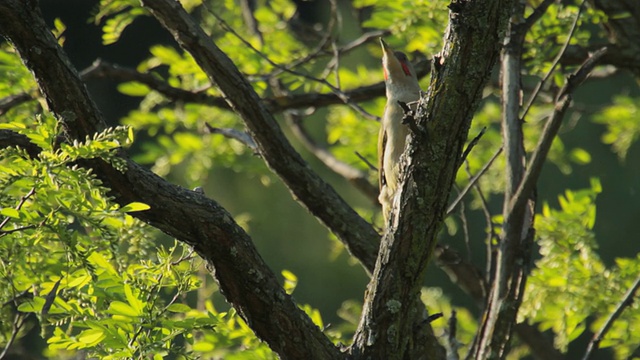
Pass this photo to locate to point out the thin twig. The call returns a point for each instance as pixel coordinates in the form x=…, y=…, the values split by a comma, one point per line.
x=364, y=38
x=341, y=94
x=626, y=301
x=336, y=68
x=18, y=322
x=473, y=180
x=23, y=199
x=356, y=177
x=490, y=233
x=465, y=230
x=185, y=257
x=235, y=134
x=366, y=161
x=10, y=231
x=453, y=343
x=537, y=14
x=539, y=156
x=471, y=145
x=319, y=49
x=25, y=294
x=555, y=62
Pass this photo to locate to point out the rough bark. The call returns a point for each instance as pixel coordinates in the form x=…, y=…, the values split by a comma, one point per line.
x=311, y=191
x=431, y=161
x=512, y=260
x=244, y=278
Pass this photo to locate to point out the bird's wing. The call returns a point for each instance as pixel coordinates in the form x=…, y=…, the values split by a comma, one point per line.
x=382, y=144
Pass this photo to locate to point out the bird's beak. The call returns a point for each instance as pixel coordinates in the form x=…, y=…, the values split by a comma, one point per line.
x=391, y=65
x=385, y=48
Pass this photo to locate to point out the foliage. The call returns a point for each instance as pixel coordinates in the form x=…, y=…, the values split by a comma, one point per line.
x=570, y=283
x=99, y=282
x=88, y=271
x=621, y=121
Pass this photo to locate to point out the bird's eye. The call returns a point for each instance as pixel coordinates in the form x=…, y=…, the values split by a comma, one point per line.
x=401, y=56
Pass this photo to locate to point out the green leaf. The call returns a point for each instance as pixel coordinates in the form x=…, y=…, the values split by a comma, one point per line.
x=124, y=309
x=79, y=281
x=33, y=305
x=580, y=156
x=12, y=126
x=10, y=212
x=91, y=337
x=133, y=300
x=133, y=88
x=130, y=134
x=179, y=308
x=135, y=206
x=203, y=346
x=290, y=281
x=114, y=26
x=101, y=262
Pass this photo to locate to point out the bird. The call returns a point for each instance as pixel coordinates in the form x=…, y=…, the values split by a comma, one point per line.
x=401, y=83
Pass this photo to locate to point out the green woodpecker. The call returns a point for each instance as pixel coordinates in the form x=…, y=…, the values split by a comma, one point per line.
x=402, y=85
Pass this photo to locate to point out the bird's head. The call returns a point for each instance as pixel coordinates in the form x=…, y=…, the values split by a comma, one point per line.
x=399, y=74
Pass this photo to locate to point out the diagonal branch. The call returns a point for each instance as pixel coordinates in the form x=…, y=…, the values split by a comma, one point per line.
x=243, y=276
x=473, y=181
x=312, y=192
x=358, y=178
x=539, y=156
x=626, y=301
x=556, y=61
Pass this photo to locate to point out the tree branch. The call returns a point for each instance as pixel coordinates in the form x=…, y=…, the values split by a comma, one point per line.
x=244, y=278
x=624, y=32
x=539, y=156
x=311, y=191
x=473, y=181
x=14, y=100
x=357, y=178
x=429, y=167
x=276, y=104
x=556, y=61
x=103, y=70
x=626, y=301
x=508, y=275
